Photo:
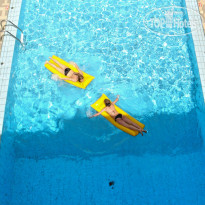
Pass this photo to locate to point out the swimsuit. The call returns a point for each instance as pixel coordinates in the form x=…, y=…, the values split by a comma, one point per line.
x=66, y=71
x=118, y=116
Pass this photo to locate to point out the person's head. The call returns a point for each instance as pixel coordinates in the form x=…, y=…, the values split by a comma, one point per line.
x=80, y=77
x=107, y=103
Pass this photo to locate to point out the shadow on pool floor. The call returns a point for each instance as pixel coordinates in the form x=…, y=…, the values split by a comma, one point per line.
x=168, y=135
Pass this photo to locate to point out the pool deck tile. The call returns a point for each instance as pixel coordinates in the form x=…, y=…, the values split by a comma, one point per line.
x=198, y=35
x=7, y=50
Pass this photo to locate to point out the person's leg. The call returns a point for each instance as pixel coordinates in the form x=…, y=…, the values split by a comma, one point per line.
x=57, y=68
x=58, y=63
x=128, y=121
x=123, y=123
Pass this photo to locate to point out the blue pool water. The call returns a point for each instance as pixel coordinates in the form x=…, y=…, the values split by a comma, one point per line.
x=51, y=153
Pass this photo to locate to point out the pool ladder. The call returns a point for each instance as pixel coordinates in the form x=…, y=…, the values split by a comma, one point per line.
x=7, y=33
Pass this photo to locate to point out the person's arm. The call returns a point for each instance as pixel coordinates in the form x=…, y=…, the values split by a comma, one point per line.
x=76, y=66
x=116, y=99
x=99, y=113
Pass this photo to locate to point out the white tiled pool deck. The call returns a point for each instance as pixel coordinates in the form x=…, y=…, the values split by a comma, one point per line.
x=9, y=43
x=6, y=57
x=199, y=40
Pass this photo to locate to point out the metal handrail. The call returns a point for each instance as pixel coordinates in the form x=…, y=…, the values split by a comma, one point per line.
x=10, y=34
x=12, y=24
x=7, y=33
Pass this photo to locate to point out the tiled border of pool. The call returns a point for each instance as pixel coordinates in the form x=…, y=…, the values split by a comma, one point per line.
x=9, y=43
x=199, y=40
x=6, y=57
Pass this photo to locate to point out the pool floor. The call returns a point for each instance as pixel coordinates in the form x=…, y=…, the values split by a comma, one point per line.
x=165, y=167
x=137, y=180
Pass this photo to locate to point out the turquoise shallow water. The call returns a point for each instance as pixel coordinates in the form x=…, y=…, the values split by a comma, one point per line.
x=152, y=74
x=46, y=121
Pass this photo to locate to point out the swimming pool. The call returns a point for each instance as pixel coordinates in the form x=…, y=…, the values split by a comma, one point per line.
x=58, y=155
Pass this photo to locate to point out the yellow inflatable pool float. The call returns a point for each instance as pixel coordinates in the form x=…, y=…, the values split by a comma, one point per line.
x=87, y=78
x=99, y=105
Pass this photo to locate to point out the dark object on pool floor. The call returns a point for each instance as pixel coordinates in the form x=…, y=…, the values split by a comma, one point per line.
x=111, y=183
